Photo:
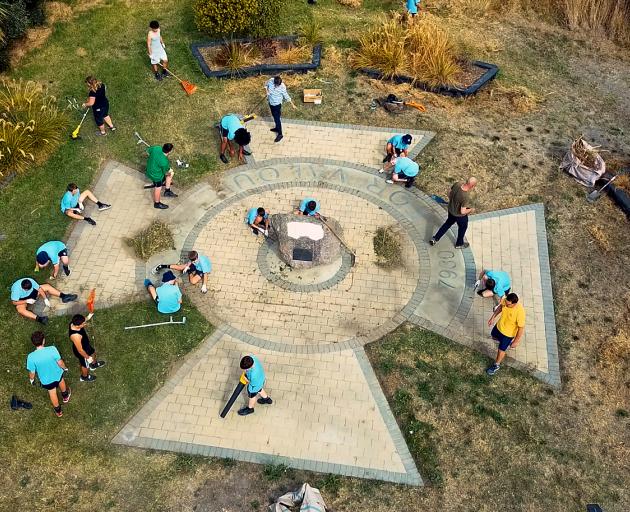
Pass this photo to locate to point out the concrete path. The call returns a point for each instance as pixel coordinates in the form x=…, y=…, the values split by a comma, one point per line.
x=329, y=411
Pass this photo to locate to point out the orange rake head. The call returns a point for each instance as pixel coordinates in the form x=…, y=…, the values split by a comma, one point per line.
x=188, y=87
x=90, y=301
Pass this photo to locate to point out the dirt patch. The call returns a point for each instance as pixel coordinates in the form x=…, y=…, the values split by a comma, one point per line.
x=34, y=38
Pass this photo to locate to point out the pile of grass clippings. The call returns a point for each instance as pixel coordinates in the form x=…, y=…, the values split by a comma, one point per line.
x=156, y=238
x=387, y=247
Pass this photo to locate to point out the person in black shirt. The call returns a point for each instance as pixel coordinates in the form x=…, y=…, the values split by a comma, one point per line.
x=82, y=348
x=99, y=103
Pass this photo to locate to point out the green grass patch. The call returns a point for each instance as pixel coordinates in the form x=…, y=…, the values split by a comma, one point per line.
x=274, y=472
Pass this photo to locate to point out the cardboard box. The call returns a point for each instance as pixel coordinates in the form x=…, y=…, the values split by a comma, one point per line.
x=313, y=96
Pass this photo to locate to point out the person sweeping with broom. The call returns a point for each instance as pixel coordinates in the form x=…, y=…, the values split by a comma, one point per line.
x=97, y=99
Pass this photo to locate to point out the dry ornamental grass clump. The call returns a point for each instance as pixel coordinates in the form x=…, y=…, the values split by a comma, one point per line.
x=156, y=238
x=422, y=51
x=31, y=125
x=293, y=55
x=235, y=56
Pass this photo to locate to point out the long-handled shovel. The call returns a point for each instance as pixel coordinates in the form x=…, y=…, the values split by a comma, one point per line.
x=353, y=256
x=594, y=195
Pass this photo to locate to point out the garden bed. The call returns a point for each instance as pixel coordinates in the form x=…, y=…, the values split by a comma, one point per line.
x=474, y=76
x=238, y=58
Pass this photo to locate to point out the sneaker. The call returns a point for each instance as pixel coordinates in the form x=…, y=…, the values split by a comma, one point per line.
x=66, y=398
x=158, y=77
x=169, y=193
x=90, y=221
x=432, y=242
x=247, y=153
x=160, y=206
x=155, y=270
x=68, y=297
x=103, y=206
x=112, y=128
x=391, y=182
x=477, y=283
x=265, y=401
x=223, y=158
x=274, y=130
x=66, y=270
x=96, y=364
x=100, y=133
x=244, y=411
x=164, y=72
x=381, y=170
x=279, y=137
x=42, y=320
x=493, y=369
x=88, y=378
x=465, y=245
x=58, y=411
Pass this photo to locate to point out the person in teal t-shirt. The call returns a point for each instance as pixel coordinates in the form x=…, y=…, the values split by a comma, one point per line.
x=72, y=203
x=53, y=252
x=25, y=292
x=493, y=283
x=405, y=171
x=160, y=173
x=309, y=206
x=233, y=129
x=46, y=363
x=168, y=296
x=198, y=269
x=412, y=8
x=255, y=376
x=258, y=220
x=397, y=145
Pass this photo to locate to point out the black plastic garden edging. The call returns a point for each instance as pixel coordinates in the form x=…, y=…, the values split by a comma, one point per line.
x=619, y=195
x=447, y=90
x=260, y=69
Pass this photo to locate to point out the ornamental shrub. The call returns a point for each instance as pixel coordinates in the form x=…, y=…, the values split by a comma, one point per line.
x=256, y=18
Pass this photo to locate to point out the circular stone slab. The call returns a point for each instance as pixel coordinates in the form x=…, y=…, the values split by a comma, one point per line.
x=343, y=306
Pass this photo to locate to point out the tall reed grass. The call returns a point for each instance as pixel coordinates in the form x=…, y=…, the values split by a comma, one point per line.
x=31, y=125
x=422, y=51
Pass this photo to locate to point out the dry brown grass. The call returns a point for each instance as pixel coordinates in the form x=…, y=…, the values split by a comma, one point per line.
x=600, y=236
x=623, y=181
x=616, y=349
x=156, y=238
x=293, y=55
x=351, y=3
x=57, y=11
x=519, y=99
x=387, y=247
x=423, y=51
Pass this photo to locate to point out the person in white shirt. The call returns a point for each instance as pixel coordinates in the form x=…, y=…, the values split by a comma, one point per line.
x=276, y=94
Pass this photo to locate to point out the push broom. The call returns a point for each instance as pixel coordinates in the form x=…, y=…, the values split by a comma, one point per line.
x=187, y=86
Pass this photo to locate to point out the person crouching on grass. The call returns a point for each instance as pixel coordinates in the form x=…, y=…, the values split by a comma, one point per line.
x=168, y=296
x=99, y=103
x=233, y=129
x=72, y=203
x=46, y=363
x=160, y=173
x=53, y=252
x=198, y=268
x=82, y=348
x=255, y=375
x=25, y=292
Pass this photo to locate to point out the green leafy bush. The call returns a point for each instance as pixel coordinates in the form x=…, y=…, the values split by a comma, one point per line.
x=31, y=125
x=16, y=16
x=237, y=17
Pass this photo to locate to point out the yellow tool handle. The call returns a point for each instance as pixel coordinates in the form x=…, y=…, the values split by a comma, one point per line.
x=243, y=379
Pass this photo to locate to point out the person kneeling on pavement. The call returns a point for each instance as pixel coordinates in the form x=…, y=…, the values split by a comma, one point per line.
x=198, y=269
x=168, y=296
x=405, y=170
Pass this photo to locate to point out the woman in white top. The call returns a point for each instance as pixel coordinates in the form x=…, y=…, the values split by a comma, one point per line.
x=157, y=51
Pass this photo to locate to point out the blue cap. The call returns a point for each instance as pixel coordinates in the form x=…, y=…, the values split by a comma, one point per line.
x=168, y=276
x=43, y=258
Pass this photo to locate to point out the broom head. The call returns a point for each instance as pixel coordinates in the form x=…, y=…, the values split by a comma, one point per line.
x=188, y=87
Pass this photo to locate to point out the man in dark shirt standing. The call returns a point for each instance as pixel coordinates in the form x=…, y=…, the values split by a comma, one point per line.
x=458, y=211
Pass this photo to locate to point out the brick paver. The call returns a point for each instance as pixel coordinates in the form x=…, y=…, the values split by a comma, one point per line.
x=329, y=412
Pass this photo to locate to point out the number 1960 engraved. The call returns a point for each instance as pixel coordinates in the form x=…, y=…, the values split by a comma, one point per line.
x=447, y=264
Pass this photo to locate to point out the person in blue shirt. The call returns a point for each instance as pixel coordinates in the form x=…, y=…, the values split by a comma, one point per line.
x=255, y=376
x=168, y=297
x=26, y=291
x=309, y=206
x=412, y=9
x=397, y=145
x=72, y=203
x=405, y=171
x=258, y=220
x=46, y=363
x=493, y=283
x=53, y=252
x=198, y=269
x=233, y=129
